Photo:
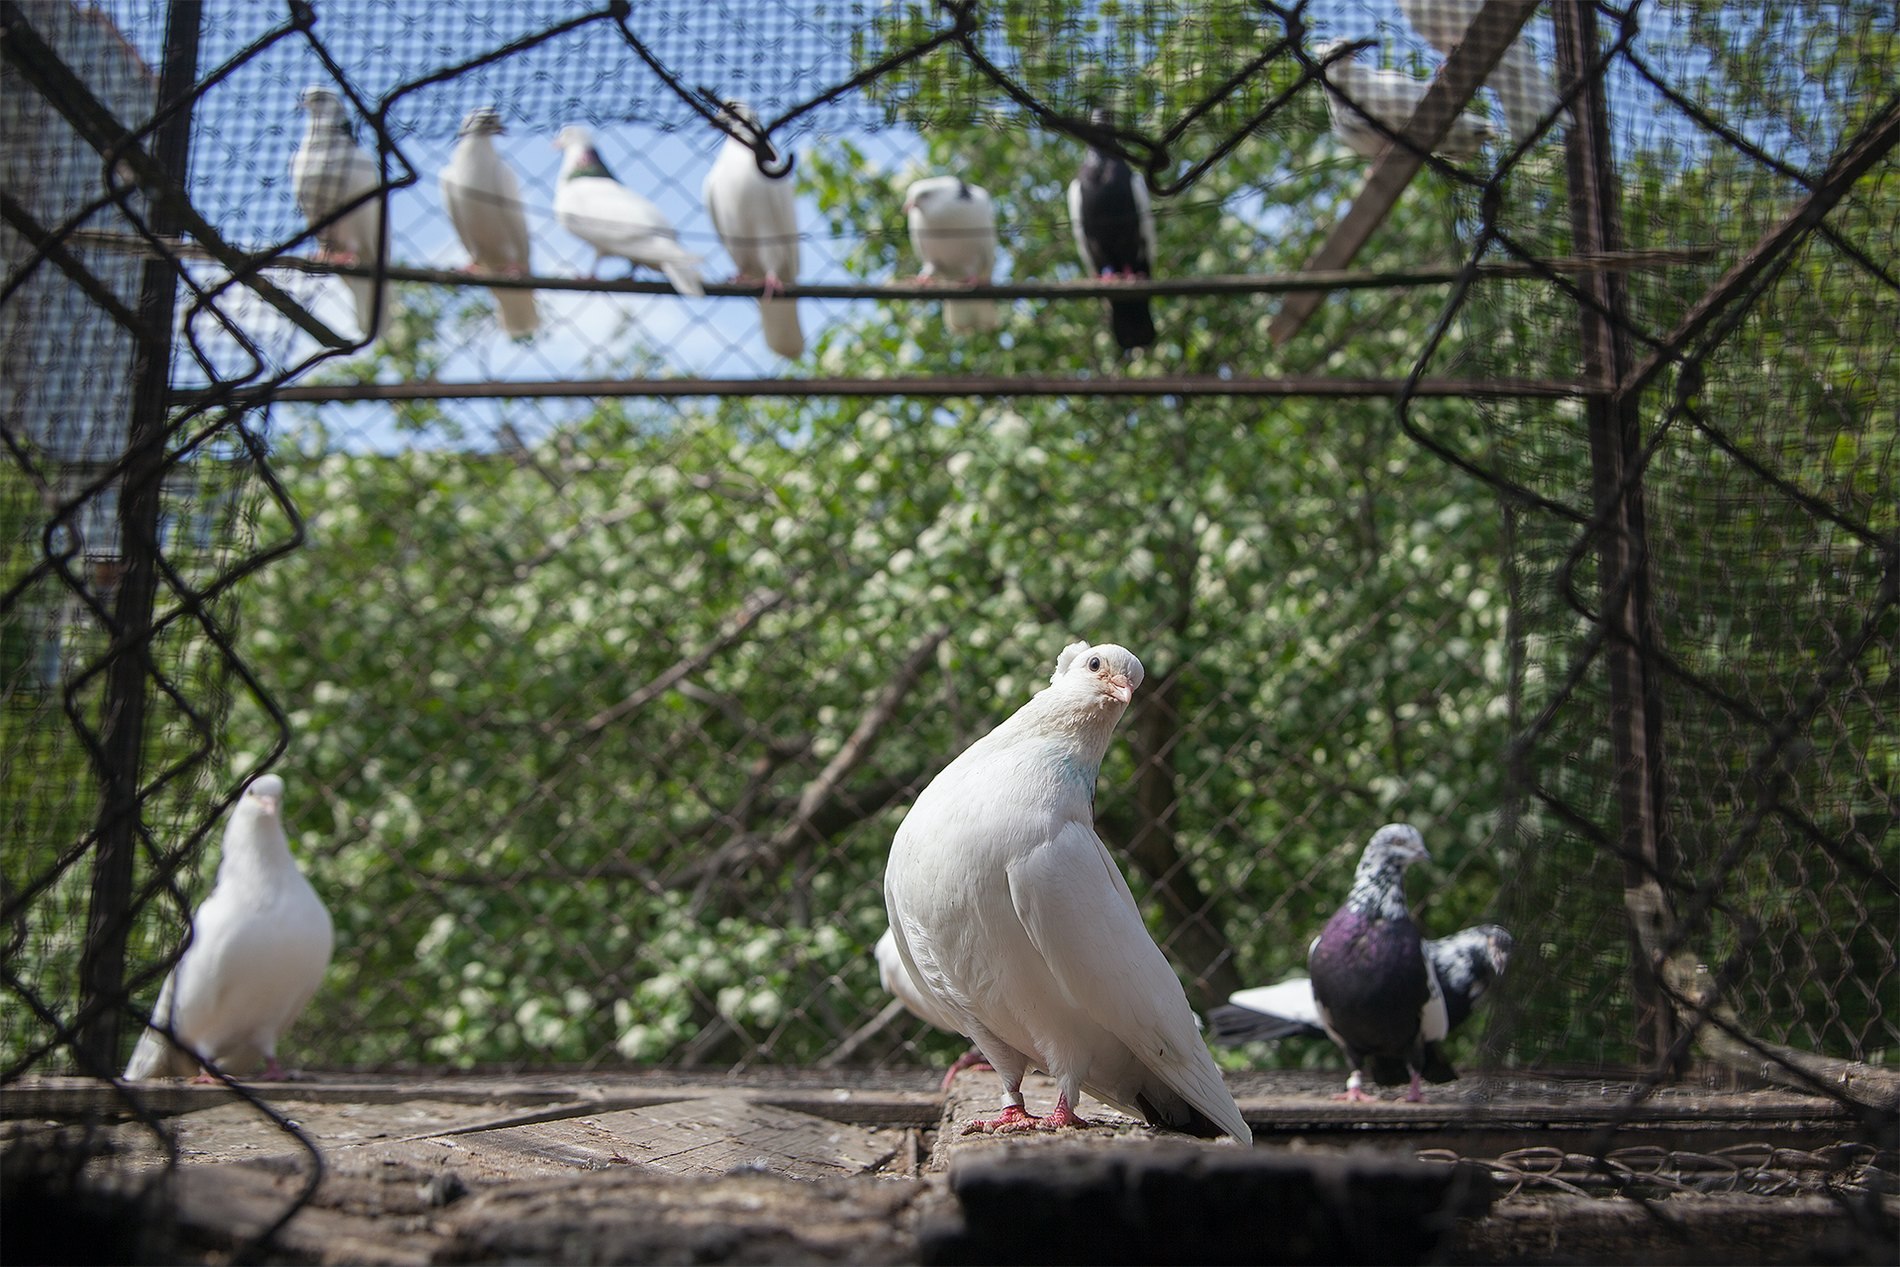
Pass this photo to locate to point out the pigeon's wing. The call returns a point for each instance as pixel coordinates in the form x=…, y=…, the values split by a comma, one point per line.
x=896, y=979
x=1089, y=264
x=716, y=194
x=1433, y=1021
x=1144, y=214
x=1082, y=920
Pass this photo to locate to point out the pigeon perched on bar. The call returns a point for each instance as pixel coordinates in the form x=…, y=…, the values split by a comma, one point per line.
x=260, y=945
x=1115, y=235
x=483, y=199
x=1356, y=93
x=1519, y=78
x=757, y=219
x=895, y=978
x=328, y=172
x=953, y=230
x=1466, y=963
x=1015, y=922
x=613, y=219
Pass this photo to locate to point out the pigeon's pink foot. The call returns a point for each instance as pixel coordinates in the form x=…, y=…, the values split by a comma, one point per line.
x=329, y=255
x=1353, y=1095
x=1010, y=1120
x=1414, y=1094
x=470, y=267
x=1060, y=1116
x=273, y=1072
x=924, y=279
x=205, y=1078
x=971, y=1059
x=772, y=285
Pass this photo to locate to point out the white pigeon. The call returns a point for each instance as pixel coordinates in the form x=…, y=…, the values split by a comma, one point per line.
x=953, y=231
x=328, y=171
x=1355, y=93
x=260, y=945
x=614, y=220
x=1014, y=920
x=1519, y=78
x=757, y=219
x=483, y=199
x=895, y=978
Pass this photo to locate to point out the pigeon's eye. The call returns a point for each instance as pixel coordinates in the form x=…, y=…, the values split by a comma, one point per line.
x=1095, y=664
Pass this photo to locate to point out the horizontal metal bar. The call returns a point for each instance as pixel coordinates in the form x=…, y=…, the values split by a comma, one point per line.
x=1083, y=288
x=929, y=386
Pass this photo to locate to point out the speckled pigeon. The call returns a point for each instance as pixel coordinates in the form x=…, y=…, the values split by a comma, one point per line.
x=1014, y=920
x=1378, y=994
x=1466, y=963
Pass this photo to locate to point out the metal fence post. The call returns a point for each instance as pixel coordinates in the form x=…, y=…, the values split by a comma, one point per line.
x=1623, y=552
x=122, y=733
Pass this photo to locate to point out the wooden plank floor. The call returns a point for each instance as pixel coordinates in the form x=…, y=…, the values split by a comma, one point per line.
x=831, y=1166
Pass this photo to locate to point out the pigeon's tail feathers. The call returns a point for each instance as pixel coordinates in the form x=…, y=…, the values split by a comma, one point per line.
x=1525, y=92
x=156, y=1056
x=971, y=316
x=1178, y=1115
x=1233, y=1025
x=520, y=317
x=684, y=274
x=779, y=320
x=1132, y=323
x=369, y=319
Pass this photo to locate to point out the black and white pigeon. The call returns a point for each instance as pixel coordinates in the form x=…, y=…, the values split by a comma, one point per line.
x=615, y=220
x=1466, y=963
x=1115, y=235
x=259, y=948
x=1377, y=988
x=328, y=172
x=483, y=198
x=757, y=219
x=1357, y=94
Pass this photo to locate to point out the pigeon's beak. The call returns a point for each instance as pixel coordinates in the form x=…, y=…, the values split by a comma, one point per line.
x=269, y=804
x=1120, y=687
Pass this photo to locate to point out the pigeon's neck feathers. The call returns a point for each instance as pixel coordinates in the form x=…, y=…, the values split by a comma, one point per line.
x=1077, y=725
x=582, y=161
x=256, y=851
x=1378, y=887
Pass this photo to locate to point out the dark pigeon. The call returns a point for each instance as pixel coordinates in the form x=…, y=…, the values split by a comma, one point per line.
x=1467, y=962
x=1115, y=234
x=1380, y=991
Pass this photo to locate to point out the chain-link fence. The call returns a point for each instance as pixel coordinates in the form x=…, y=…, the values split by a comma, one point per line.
x=601, y=661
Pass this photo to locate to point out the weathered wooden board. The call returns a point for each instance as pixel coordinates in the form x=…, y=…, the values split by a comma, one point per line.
x=712, y=1136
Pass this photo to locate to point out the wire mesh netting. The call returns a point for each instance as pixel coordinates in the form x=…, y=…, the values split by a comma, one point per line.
x=601, y=645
